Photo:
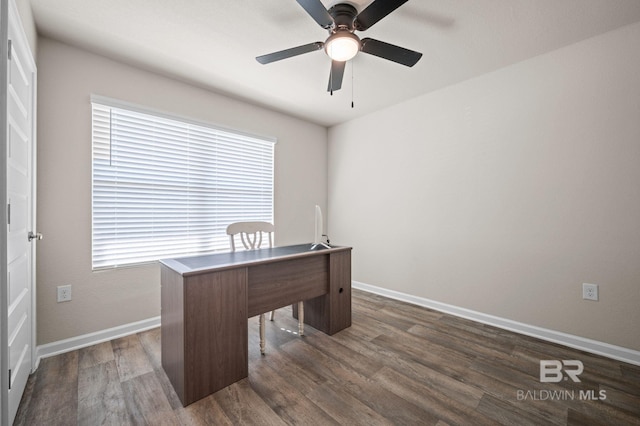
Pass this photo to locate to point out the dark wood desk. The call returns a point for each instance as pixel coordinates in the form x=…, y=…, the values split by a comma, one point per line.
x=206, y=301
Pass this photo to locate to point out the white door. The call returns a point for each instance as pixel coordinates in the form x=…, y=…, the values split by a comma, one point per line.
x=21, y=79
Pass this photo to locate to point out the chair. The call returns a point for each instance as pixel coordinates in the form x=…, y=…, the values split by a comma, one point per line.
x=251, y=236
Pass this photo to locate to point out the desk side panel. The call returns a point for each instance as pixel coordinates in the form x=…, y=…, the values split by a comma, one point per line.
x=331, y=312
x=172, y=328
x=277, y=284
x=216, y=340
x=340, y=291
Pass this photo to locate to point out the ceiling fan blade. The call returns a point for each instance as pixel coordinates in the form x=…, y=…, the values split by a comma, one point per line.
x=375, y=12
x=335, y=77
x=391, y=52
x=318, y=12
x=288, y=53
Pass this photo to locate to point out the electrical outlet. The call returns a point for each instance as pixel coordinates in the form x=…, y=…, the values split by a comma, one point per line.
x=590, y=291
x=64, y=293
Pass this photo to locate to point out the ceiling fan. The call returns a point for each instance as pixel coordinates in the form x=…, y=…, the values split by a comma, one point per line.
x=342, y=21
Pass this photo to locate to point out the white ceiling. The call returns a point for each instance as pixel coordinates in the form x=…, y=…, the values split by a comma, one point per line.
x=213, y=44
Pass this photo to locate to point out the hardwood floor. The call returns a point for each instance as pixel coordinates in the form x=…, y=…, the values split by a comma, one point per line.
x=398, y=364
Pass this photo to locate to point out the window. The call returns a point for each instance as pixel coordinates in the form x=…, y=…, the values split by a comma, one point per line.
x=166, y=187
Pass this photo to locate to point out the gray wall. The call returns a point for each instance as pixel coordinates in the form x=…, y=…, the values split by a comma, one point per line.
x=502, y=194
x=67, y=78
x=505, y=193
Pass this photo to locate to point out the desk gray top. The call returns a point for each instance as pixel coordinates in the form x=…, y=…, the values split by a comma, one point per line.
x=226, y=260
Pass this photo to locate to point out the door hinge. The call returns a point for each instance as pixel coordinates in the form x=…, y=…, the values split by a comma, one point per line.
x=9, y=50
x=8, y=214
x=9, y=379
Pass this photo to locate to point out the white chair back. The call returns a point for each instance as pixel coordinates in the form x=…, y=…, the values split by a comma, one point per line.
x=251, y=234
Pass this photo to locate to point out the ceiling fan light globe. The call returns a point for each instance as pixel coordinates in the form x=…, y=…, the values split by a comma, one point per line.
x=342, y=46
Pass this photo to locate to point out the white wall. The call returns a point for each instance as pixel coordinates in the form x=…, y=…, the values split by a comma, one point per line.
x=67, y=78
x=505, y=193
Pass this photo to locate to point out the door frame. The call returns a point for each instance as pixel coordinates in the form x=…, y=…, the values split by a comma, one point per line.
x=9, y=13
x=4, y=63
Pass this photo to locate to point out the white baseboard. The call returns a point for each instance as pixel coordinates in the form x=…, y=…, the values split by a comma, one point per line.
x=78, y=342
x=588, y=345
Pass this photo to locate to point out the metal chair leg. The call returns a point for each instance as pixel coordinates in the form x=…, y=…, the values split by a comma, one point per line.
x=262, y=334
x=301, y=318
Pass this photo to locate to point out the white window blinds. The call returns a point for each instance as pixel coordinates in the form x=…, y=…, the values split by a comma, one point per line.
x=168, y=188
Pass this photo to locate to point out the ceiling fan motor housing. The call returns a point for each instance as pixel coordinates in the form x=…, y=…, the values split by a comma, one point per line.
x=343, y=15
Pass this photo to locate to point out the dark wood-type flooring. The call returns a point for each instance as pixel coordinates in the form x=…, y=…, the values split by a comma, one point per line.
x=398, y=364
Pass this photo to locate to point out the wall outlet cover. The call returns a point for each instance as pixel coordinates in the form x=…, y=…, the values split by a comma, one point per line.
x=64, y=293
x=590, y=291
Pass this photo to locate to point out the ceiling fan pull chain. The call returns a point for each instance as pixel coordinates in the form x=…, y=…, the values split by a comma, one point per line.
x=331, y=79
x=353, y=65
